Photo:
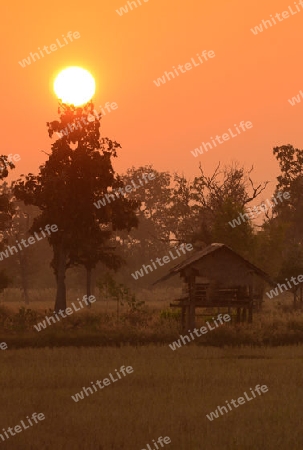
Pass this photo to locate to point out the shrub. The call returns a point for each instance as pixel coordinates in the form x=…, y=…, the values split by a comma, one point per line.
x=169, y=314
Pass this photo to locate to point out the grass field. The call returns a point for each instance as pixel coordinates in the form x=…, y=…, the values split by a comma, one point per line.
x=168, y=394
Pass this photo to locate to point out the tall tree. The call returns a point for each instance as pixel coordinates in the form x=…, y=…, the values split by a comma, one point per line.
x=290, y=210
x=6, y=212
x=26, y=262
x=78, y=172
x=153, y=195
x=183, y=221
x=219, y=199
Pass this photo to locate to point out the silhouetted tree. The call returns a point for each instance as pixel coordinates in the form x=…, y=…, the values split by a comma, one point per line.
x=221, y=198
x=287, y=215
x=6, y=213
x=78, y=172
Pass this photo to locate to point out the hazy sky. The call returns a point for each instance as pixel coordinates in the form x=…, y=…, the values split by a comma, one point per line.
x=250, y=78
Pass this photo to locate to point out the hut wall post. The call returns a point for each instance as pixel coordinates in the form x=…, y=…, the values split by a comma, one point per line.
x=183, y=318
x=295, y=299
x=238, y=320
x=251, y=303
x=250, y=312
x=243, y=314
x=192, y=308
x=260, y=301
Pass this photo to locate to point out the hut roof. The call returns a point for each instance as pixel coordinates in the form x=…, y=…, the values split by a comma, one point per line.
x=201, y=254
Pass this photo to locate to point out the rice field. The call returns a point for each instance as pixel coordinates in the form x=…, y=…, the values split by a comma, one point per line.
x=168, y=394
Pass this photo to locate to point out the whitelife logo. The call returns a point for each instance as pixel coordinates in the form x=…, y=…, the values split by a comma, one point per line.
x=275, y=291
x=53, y=48
x=30, y=240
x=49, y=320
x=124, y=9
x=241, y=401
x=272, y=21
x=128, y=188
x=297, y=99
x=188, y=66
x=90, y=118
x=105, y=381
x=18, y=428
x=225, y=137
x=166, y=440
x=203, y=330
x=166, y=260
x=259, y=209
x=11, y=158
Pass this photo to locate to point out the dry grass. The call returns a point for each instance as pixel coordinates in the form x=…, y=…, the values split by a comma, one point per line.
x=169, y=394
x=42, y=299
x=153, y=323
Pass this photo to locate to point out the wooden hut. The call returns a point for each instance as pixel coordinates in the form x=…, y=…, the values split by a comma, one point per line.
x=218, y=277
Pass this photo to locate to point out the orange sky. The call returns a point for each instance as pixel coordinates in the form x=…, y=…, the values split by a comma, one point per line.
x=251, y=78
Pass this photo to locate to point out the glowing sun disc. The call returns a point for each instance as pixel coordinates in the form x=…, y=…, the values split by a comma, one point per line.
x=74, y=85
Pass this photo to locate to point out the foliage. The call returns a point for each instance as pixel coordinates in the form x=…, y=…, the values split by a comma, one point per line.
x=78, y=172
x=169, y=314
x=111, y=289
x=280, y=242
x=219, y=199
x=6, y=213
x=22, y=321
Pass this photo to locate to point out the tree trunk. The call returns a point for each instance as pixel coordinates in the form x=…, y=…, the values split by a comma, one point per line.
x=88, y=284
x=93, y=285
x=118, y=309
x=23, y=258
x=60, y=276
x=238, y=320
x=24, y=275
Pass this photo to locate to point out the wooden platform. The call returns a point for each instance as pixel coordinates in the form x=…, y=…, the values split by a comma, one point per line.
x=220, y=298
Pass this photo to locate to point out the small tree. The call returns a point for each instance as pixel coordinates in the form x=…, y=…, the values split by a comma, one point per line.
x=110, y=289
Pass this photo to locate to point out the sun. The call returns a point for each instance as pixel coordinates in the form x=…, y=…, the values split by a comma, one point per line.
x=74, y=85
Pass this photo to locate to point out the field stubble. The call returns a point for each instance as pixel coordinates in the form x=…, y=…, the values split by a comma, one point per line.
x=168, y=394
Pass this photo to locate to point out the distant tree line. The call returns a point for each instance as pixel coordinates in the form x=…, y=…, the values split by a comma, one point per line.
x=131, y=229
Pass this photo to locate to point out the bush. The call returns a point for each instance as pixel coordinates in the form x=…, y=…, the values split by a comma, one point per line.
x=170, y=314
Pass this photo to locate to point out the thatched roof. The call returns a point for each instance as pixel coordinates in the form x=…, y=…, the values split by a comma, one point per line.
x=215, y=248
